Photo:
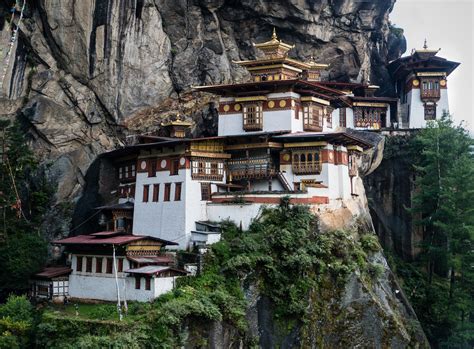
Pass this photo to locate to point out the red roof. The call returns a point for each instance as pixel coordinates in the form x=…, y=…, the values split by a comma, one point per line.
x=111, y=240
x=48, y=273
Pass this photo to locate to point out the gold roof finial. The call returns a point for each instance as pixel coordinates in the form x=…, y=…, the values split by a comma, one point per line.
x=274, y=35
x=425, y=45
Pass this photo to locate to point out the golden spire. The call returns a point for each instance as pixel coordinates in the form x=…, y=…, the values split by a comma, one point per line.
x=425, y=45
x=274, y=35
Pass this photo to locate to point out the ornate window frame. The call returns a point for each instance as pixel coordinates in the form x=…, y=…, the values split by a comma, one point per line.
x=252, y=116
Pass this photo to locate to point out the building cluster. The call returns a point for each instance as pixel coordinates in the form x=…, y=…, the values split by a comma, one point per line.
x=284, y=133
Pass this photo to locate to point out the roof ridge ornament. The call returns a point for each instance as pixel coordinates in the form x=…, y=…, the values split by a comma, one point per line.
x=425, y=45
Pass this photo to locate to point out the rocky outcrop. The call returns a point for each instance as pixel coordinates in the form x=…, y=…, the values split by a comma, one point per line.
x=389, y=190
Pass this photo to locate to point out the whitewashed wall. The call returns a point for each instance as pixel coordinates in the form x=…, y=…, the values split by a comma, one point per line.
x=162, y=219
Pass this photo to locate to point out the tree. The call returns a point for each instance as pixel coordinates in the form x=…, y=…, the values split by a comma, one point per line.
x=25, y=195
x=444, y=202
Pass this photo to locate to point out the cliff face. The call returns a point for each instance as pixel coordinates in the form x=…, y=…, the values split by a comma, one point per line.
x=389, y=193
x=80, y=68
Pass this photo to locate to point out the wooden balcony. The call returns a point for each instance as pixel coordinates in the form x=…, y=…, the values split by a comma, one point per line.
x=253, y=127
x=301, y=169
x=207, y=176
x=312, y=128
x=430, y=94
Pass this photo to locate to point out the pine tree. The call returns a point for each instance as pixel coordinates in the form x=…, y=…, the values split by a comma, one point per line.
x=24, y=197
x=444, y=202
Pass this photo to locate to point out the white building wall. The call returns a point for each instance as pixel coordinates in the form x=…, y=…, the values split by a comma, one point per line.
x=162, y=285
x=349, y=118
x=417, y=110
x=230, y=124
x=443, y=103
x=162, y=219
x=240, y=214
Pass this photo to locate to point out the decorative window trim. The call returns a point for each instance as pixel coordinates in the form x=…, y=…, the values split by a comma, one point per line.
x=205, y=191
x=307, y=161
x=369, y=117
x=207, y=169
x=312, y=116
x=177, y=191
x=167, y=193
x=252, y=116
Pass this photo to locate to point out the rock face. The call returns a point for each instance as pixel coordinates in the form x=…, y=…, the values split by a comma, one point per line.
x=80, y=68
x=389, y=191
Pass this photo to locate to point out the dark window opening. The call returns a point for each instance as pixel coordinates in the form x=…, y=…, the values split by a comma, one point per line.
x=167, y=192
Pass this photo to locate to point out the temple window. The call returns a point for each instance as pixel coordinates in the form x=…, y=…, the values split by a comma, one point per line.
x=205, y=191
x=79, y=263
x=156, y=192
x=152, y=168
x=430, y=88
x=174, y=167
x=146, y=189
x=253, y=117
x=342, y=117
x=369, y=117
x=167, y=192
x=177, y=192
x=430, y=111
x=312, y=117
x=329, y=116
x=306, y=161
x=207, y=169
x=109, y=265
x=88, y=264
x=137, y=282
x=147, y=283
x=98, y=265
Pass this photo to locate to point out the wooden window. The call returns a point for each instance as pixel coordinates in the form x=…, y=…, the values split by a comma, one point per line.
x=329, y=111
x=146, y=189
x=137, y=282
x=430, y=111
x=109, y=266
x=205, y=191
x=166, y=197
x=174, y=168
x=430, y=88
x=79, y=263
x=312, y=117
x=152, y=168
x=147, y=283
x=367, y=117
x=297, y=186
x=119, y=265
x=342, y=117
x=253, y=117
x=98, y=265
x=88, y=264
x=177, y=192
x=156, y=192
x=306, y=162
x=210, y=170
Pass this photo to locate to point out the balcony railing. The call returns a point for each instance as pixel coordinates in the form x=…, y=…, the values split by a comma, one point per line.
x=306, y=169
x=430, y=93
x=251, y=168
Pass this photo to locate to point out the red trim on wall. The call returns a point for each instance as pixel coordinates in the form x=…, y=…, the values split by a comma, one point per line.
x=276, y=200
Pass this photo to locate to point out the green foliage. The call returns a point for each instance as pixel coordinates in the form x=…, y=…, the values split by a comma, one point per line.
x=441, y=283
x=22, y=185
x=16, y=322
x=283, y=254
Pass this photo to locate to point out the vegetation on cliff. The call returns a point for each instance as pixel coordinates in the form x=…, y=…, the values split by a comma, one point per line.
x=440, y=283
x=25, y=196
x=301, y=271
